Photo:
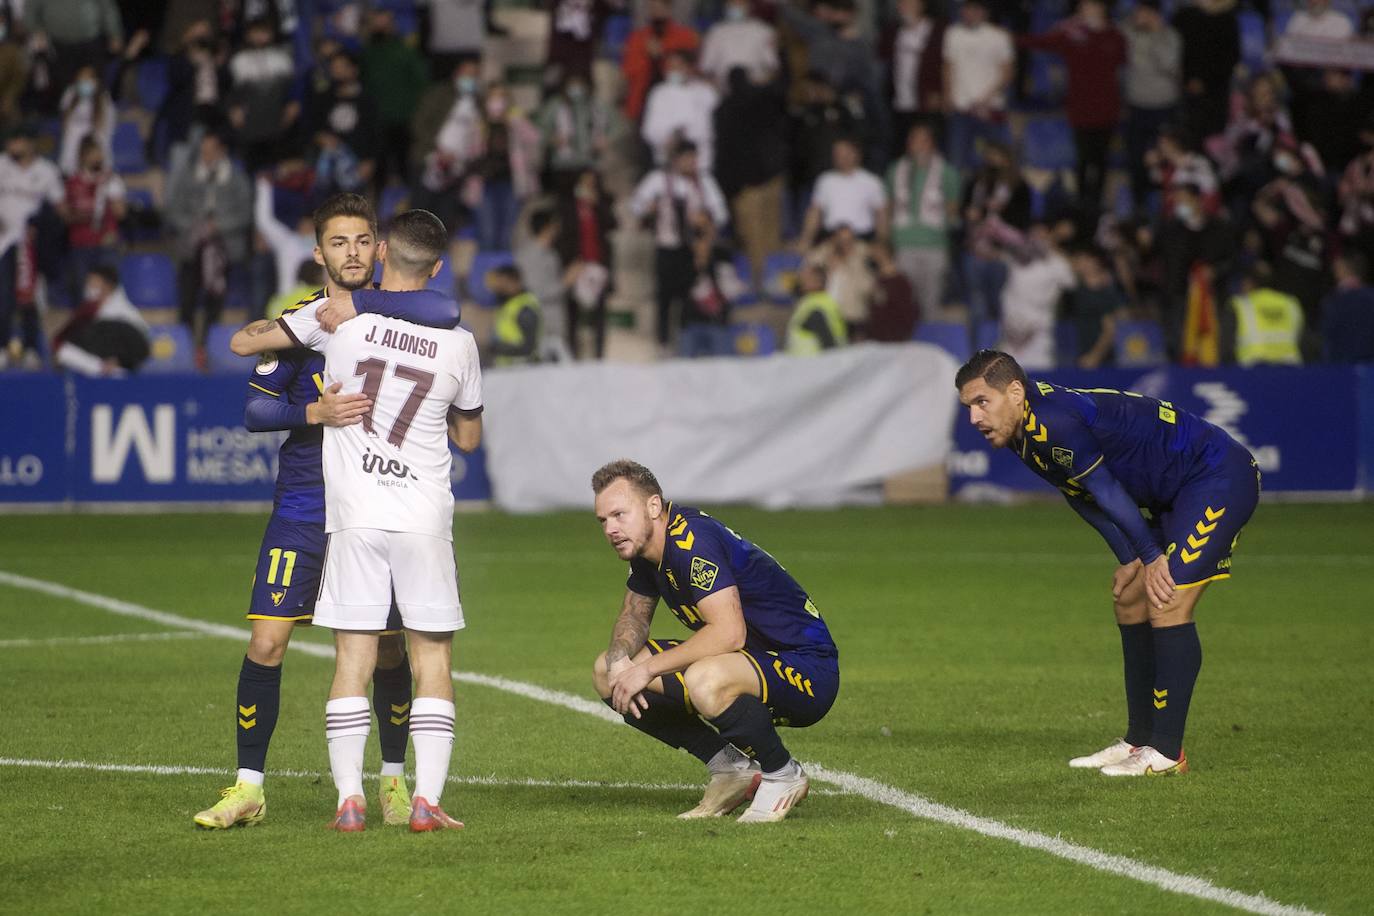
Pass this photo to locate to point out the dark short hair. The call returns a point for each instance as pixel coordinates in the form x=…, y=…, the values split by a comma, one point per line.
x=996, y=368
x=308, y=273
x=1260, y=274
x=541, y=219
x=506, y=271
x=683, y=147
x=639, y=477
x=1356, y=263
x=415, y=241
x=107, y=272
x=341, y=205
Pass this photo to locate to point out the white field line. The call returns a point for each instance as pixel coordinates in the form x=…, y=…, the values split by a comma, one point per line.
x=96, y=640
x=1172, y=882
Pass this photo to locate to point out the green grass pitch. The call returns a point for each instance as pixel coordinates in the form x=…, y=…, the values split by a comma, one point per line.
x=977, y=650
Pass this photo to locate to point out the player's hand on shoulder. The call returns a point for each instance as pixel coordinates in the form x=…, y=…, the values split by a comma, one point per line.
x=335, y=409
x=334, y=311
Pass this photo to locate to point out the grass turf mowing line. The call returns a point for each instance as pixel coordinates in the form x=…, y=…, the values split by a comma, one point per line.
x=1186, y=885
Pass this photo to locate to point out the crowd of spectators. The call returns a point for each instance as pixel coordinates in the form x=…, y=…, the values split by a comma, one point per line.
x=871, y=164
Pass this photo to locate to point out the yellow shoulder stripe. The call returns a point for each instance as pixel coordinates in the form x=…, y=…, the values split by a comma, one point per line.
x=1092, y=467
x=313, y=297
x=275, y=394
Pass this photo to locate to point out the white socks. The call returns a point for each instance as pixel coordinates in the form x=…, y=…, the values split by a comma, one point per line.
x=431, y=731
x=393, y=769
x=791, y=771
x=727, y=760
x=347, y=722
x=252, y=777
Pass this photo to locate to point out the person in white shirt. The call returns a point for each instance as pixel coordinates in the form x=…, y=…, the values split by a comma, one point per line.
x=1318, y=20
x=1037, y=276
x=847, y=195
x=678, y=109
x=389, y=508
x=290, y=248
x=87, y=110
x=979, y=59
x=739, y=40
x=685, y=209
x=27, y=182
x=107, y=336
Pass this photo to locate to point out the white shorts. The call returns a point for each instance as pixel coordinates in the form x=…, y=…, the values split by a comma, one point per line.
x=362, y=568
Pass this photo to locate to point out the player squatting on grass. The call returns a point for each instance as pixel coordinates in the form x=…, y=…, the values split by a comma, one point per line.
x=285, y=391
x=390, y=523
x=759, y=655
x=1168, y=491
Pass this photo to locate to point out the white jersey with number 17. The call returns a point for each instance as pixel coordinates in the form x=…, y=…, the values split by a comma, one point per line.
x=391, y=472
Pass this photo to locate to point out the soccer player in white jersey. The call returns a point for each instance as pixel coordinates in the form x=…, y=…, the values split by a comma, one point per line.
x=389, y=509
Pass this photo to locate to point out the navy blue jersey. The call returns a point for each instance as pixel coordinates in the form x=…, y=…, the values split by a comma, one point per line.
x=1150, y=447
x=701, y=557
x=297, y=375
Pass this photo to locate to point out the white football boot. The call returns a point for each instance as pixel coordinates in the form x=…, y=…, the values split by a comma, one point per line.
x=777, y=795
x=1115, y=752
x=726, y=792
x=1146, y=761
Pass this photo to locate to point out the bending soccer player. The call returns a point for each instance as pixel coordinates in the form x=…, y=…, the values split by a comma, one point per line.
x=285, y=392
x=1168, y=491
x=759, y=655
x=389, y=510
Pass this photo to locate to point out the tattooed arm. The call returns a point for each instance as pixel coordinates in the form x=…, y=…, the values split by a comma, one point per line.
x=631, y=630
x=259, y=336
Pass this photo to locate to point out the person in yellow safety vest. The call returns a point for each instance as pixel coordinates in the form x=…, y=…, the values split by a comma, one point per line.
x=816, y=324
x=309, y=277
x=1268, y=324
x=515, y=335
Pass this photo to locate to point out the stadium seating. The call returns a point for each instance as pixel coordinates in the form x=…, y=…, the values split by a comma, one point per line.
x=948, y=335
x=150, y=280
x=393, y=198
x=443, y=280
x=754, y=339
x=1139, y=344
x=1066, y=343
x=1049, y=144
x=128, y=149
x=780, y=275
x=477, y=277
x=614, y=35
x=1253, y=41
x=987, y=336
x=151, y=81
x=222, y=360
x=171, y=350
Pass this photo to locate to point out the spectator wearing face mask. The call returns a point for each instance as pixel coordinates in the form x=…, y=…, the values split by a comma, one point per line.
x=679, y=109
x=576, y=128
x=446, y=143
x=508, y=168
x=1197, y=246
x=96, y=203
x=740, y=40
x=107, y=335
x=645, y=59
x=87, y=111
x=29, y=186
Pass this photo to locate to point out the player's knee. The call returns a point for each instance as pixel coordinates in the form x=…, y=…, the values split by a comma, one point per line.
x=267, y=648
x=600, y=680
x=710, y=688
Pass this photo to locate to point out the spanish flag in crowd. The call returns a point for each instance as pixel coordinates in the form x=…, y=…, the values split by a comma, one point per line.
x=1201, y=329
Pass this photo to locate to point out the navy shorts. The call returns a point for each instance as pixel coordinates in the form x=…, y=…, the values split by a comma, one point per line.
x=1203, y=525
x=287, y=578
x=798, y=687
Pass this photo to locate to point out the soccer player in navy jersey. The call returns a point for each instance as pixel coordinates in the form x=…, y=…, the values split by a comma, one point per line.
x=1168, y=491
x=286, y=392
x=759, y=655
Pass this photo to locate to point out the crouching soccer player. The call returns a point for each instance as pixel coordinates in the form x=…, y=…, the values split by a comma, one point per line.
x=286, y=392
x=1168, y=491
x=759, y=655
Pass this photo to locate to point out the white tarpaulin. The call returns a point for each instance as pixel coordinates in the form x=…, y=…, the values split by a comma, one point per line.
x=778, y=431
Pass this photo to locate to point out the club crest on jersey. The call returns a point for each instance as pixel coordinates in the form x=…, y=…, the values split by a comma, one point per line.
x=267, y=363
x=278, y=598
x=1062, y=456
x=704, y=573
x=672, y=579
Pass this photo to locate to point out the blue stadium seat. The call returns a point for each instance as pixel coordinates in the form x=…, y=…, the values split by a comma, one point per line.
x=393, y=198
x=754, y=339
x=171, y=350
x=951, y=336
x=149, y=279
x=989, y=332
x=1253, y=40
x=1139, y=344
x=1066, y=343
x=614, y=35
x=780, y=275
x=128, y=149
x=1048, y=143
x=443, y=280
x=222, y=359
x=477, y=277
x=151, y=80
x=1047, y=78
